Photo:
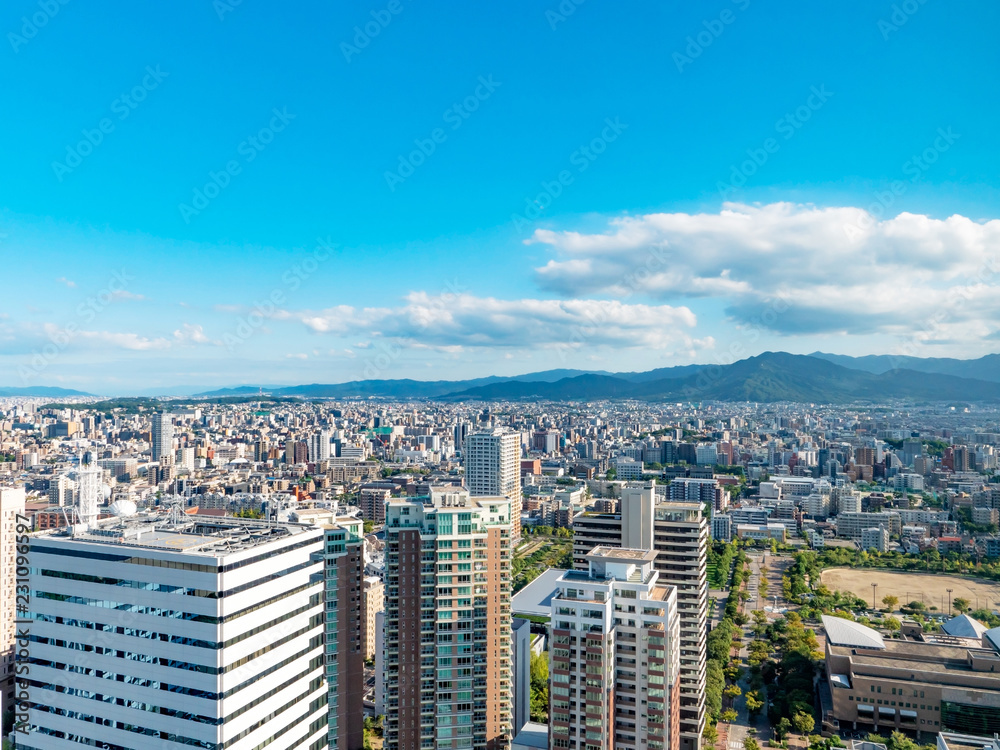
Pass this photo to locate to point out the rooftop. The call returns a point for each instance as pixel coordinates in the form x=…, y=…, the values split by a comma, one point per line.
x=536, y=597
x=532, y=735
x=964, y=626
x=191, y=535
x=841, y=632
x=954, y=741
x=623, y=553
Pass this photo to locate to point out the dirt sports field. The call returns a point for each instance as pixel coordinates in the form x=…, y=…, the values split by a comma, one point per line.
x=931, y=589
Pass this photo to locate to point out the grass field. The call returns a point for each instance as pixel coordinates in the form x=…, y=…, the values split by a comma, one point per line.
x=908, y=587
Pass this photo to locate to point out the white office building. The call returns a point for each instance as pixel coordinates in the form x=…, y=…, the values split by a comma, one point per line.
x=706, y=454
x=177, y=634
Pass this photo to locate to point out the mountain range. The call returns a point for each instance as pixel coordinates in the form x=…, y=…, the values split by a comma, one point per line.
x=43, y=391
x=772, y=376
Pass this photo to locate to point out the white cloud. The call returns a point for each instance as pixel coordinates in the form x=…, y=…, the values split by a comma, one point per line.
x=829, y=269
x=191, y=334
x=121, y=294
x=130, y=341
x=450, y=323
x=67, y=282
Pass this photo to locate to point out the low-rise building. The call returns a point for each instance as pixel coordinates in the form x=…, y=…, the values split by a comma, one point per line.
x=762, y=532
x=910, y=685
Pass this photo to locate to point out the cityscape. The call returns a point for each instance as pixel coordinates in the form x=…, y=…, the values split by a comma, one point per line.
x=244, y=570
x=551, y=375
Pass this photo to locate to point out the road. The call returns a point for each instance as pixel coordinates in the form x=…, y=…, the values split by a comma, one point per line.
x=743, y=725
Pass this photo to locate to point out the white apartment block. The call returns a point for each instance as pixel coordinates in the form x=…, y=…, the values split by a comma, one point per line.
x=162, y=436
x=628, y=469
x=876, y=538
x=816, y=505
x=492, y=461
x=615, y=656
x=177, y=634
x=850, y=525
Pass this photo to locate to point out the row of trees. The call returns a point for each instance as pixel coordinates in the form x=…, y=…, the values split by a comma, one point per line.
x=539, y=687
x=560, y=532
x=720, y=670
x=720, y=561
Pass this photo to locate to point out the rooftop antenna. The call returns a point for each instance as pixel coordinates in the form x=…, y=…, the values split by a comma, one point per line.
x=176, y=515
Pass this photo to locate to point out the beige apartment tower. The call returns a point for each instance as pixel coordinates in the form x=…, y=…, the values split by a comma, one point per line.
x=372, y=602
x=678, y=533
x=11, y=505
x=615, y=656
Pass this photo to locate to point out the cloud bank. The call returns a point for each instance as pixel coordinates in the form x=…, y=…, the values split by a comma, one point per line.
x=835, y=270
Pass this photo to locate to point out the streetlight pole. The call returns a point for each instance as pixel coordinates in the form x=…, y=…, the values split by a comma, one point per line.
x=874, y=601
x=949, y=601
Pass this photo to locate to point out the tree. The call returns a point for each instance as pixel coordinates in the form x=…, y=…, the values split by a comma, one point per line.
x=782, y=727
x=728, y=715
x=891, y=624
x=899, y=741
x=754, y=703
x=803, y=722
x=890, y=602
x=373, y=727
x=539, y=671
x=733, y=691
x=961, y=605
x=750, y=743
x=710, y=734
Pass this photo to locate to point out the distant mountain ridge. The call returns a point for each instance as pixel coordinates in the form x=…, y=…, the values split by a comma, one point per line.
x=984, y=368
x=43, y=391
x=772, y=376
x=769, y=377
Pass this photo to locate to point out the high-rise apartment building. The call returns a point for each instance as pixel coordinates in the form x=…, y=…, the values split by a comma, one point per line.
x=372, y=501
x=683, y=489
x=296, y=451
x=319, y=446
x=962, y=458
x=61, y=489
x=678, y=532
x=345, y=632
x=447, y=622
x=162, y=436
x=11, y=505
x=186, y=633
x=261, y=449
x=372, y=602
x=492, y=460
x=615, y=656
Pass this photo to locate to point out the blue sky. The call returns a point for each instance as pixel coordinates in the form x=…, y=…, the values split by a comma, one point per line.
x=480, y=190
